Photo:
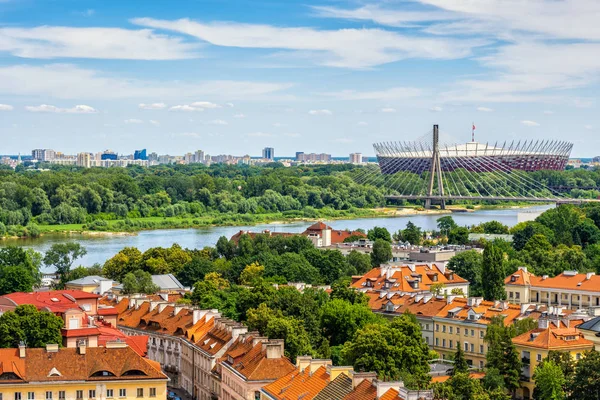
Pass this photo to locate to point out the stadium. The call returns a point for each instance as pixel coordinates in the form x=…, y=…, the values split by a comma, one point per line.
x=416, y=157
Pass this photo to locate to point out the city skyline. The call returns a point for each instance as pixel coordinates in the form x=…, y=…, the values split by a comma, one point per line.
x=319, y=76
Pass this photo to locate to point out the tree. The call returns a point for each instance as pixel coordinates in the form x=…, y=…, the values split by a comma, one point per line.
x=494, y=227
x=360, y=261
x=15, y=279
x=492, y=269
x=412, y=234
x=564, y=360
x=467, y=265
x=127, y=260
x=139, y=282
x=195, y=270
x=382, y=252
x=297, y=341
x=549, y=382
x=391, y=349
x=340, y=320
x=379, y=233
x=62, y=256
x=459, y=236
x=460, y=362
x=445, y=224
x=502, y=353
x=27, y=324
x=586, y=381
x=342, y=290
x=252, y=273
x=437, y=289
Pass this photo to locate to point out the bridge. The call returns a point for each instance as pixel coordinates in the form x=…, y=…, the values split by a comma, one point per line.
x=436, y=173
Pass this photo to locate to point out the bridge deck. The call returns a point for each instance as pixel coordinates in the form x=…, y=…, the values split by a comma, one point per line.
x=495, y=198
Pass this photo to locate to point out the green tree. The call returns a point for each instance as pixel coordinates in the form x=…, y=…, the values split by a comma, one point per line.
x=459, y=235
x=379, y=233
x=27, y=324
x=297, y=341
x=492, y=269
x=15, y=278
x=62, y=256
x=494, y=227
x=445, y=224
x=585, y=384
x=139, y=282
x=127, y=260
x=460, y=362
x=252, y=273
x=549, y=382
x=467, y=265
x=340, y=320
x=360, y=261
x=412, y=234
x=382, y=252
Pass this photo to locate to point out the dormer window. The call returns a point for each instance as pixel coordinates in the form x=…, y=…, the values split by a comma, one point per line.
x=513, y=278
x=414, y=284
x=434, y=278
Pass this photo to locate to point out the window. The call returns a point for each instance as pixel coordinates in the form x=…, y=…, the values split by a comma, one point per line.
x=481, y=349
x=79, y=394
x=109, y=393
x=443, y=328
x=17, y=395
x=256, y=395
x=457, y=330
x=480, y=364
x=472, y=348
x=481, y=334
x=437, y=341
x=426, y=340
x=539, y=358
x=466, y=346
x=92, y=393
x=48, y=395
x=152, y=392
x=450, y=344
x=426, y=327
x=140, y=392
x=578, y=356
x=450, y=329
x=473, y=332
x=123, y=392
x=510, y=294
x=30, y=395
x=443, y=342
x=517, y=295
x=61, y=395
x=437, y=327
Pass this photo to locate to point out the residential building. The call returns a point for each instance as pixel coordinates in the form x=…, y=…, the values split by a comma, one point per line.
x=312, y=157
x=84, y=160
x=553, y=333
x=43, y=154
x=463, y=322
x=91, y=284
x=268, y=153
x=411, y=278
x=250, y=363
x=113, y=371
x=355, y=158
x=109, y=155
x=568, y=289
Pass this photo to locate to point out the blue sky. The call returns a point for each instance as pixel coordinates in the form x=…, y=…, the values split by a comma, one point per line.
x=316, y=76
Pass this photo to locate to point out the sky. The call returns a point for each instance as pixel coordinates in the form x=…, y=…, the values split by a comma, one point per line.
x=334, y=76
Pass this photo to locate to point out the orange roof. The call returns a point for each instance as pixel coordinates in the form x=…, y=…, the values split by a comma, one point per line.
x=363, y=391
x=199, y=329
x=299, y=385
x=11, y=366
x=400, y=278
x=459, y=309
x=557, y=336
x=391, y=394
x=251, y=361
x=132, y=316
x=214, y=340
x=567, y=280
x=419, y=305
x=56, y=301
x=138, y=343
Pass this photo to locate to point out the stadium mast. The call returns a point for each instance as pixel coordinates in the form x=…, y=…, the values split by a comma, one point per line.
x=436, y=170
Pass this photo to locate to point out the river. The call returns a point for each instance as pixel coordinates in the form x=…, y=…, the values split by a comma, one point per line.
x=102, y=247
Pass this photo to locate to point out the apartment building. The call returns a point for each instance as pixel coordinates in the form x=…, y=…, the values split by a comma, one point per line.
x=114, y=371
x=568, y=289
x=554, y=332
x=411, y=278
x=463, y=322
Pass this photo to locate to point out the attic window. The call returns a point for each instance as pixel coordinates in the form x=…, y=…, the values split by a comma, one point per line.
x=513, y=278
x=102, y=373
x=54, y=372
x=134, y=372
x=206, y=341
x=54, y=299
x=570, y=337
x=212, y=346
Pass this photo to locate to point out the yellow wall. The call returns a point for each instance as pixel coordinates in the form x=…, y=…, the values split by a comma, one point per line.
x=8, y=390
x=88, y=288
x=442, y=331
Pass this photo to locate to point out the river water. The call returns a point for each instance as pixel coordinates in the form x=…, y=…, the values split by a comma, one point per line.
x=102, y=247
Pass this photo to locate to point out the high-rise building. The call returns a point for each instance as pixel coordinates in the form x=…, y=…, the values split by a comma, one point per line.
x=140, y=155
x=355, y=158
x=199, y=156
x=299, y=155
x=109, y=155
x=43, y=154
x=84, y=160
x=268, y=153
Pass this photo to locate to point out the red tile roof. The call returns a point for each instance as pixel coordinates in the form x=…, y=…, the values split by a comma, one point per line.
x=251, y=361
x=299, y=385
x=557, y=336
x=108, y=311
x=363, y=391
x=80, y=332
x=567, y=280
x=56, y=301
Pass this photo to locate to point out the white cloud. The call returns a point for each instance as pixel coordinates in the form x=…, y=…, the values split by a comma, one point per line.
x=388, y=110
x=394, y=93
x=105, y=43
x=362, y=123
x=66, y=81
x=47, y=108
x=548, y=112
x=133, y=121
x=6, y=107
x=349, y=48
x=530, y=123
x=154, y=122
x=389, y=17
x=588, y=127
x=186, y=108
x=230, y=105
x=239, y=116
x=320, y=112
x=204, y=104
x=259, y=134
x=152, y=106
x=436, y=109
x=484, y=109
x=218, y=122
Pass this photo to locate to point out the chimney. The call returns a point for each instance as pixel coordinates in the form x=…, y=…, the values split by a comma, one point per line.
x=543, y=323
x=259, y=339
x=450, y=299
x=544, y=277
x=52, y=348
x=524, y=307
x=358, y=377
x=335, y=371
x=274, y=348
x=383, y=387
x=164, y=296
x=302, y=362
x=589, y=275
x=315, y=364
x=22, y=350
x=238, y=330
